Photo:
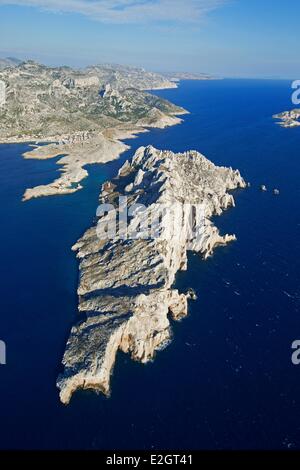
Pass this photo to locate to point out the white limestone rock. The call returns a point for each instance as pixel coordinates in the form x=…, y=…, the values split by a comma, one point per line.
x=126, y=291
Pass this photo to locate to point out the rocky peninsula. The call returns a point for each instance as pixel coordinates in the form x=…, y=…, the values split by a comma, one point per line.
x=288, y=118
x=82, y=115
x=177, y=76
x=126, y=286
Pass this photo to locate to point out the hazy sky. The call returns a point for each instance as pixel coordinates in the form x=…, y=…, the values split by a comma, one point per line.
x=242, y=38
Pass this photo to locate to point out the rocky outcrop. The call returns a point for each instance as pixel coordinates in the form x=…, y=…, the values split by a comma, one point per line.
x=76, y=152
x=126, y=287
x=289, y=118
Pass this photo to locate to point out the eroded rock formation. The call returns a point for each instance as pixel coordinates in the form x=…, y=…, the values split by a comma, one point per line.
x=126, y=292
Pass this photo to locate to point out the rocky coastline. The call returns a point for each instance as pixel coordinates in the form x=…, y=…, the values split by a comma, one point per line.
x=82, y=115
x=81, y=149
x=126, y=286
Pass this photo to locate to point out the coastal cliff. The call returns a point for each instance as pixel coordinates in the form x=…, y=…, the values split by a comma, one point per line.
x=126, y=286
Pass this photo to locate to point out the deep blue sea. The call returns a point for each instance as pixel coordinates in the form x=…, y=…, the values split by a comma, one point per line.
x=227, y=380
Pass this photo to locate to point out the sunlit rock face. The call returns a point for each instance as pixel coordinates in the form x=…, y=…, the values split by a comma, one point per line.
x=126, y=293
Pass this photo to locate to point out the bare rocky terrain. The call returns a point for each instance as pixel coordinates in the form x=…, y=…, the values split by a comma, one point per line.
x=82, y=114
x=126, y=293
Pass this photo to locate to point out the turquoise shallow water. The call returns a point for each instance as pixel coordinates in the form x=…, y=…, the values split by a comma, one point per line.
x=226, y=381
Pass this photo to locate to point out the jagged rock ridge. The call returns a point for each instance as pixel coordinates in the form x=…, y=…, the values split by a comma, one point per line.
x=126, y=291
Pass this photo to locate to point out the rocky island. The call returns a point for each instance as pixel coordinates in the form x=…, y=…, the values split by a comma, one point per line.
x=289, y=118
x=82, y=115
x=126, y=287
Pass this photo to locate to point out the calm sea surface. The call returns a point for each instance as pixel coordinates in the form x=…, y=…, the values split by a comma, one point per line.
x=226, y=381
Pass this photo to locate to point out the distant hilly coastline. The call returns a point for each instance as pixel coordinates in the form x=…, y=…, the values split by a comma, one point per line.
x=9, y=62
x=135, y=71
x=177, y=76
x=83, y=113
